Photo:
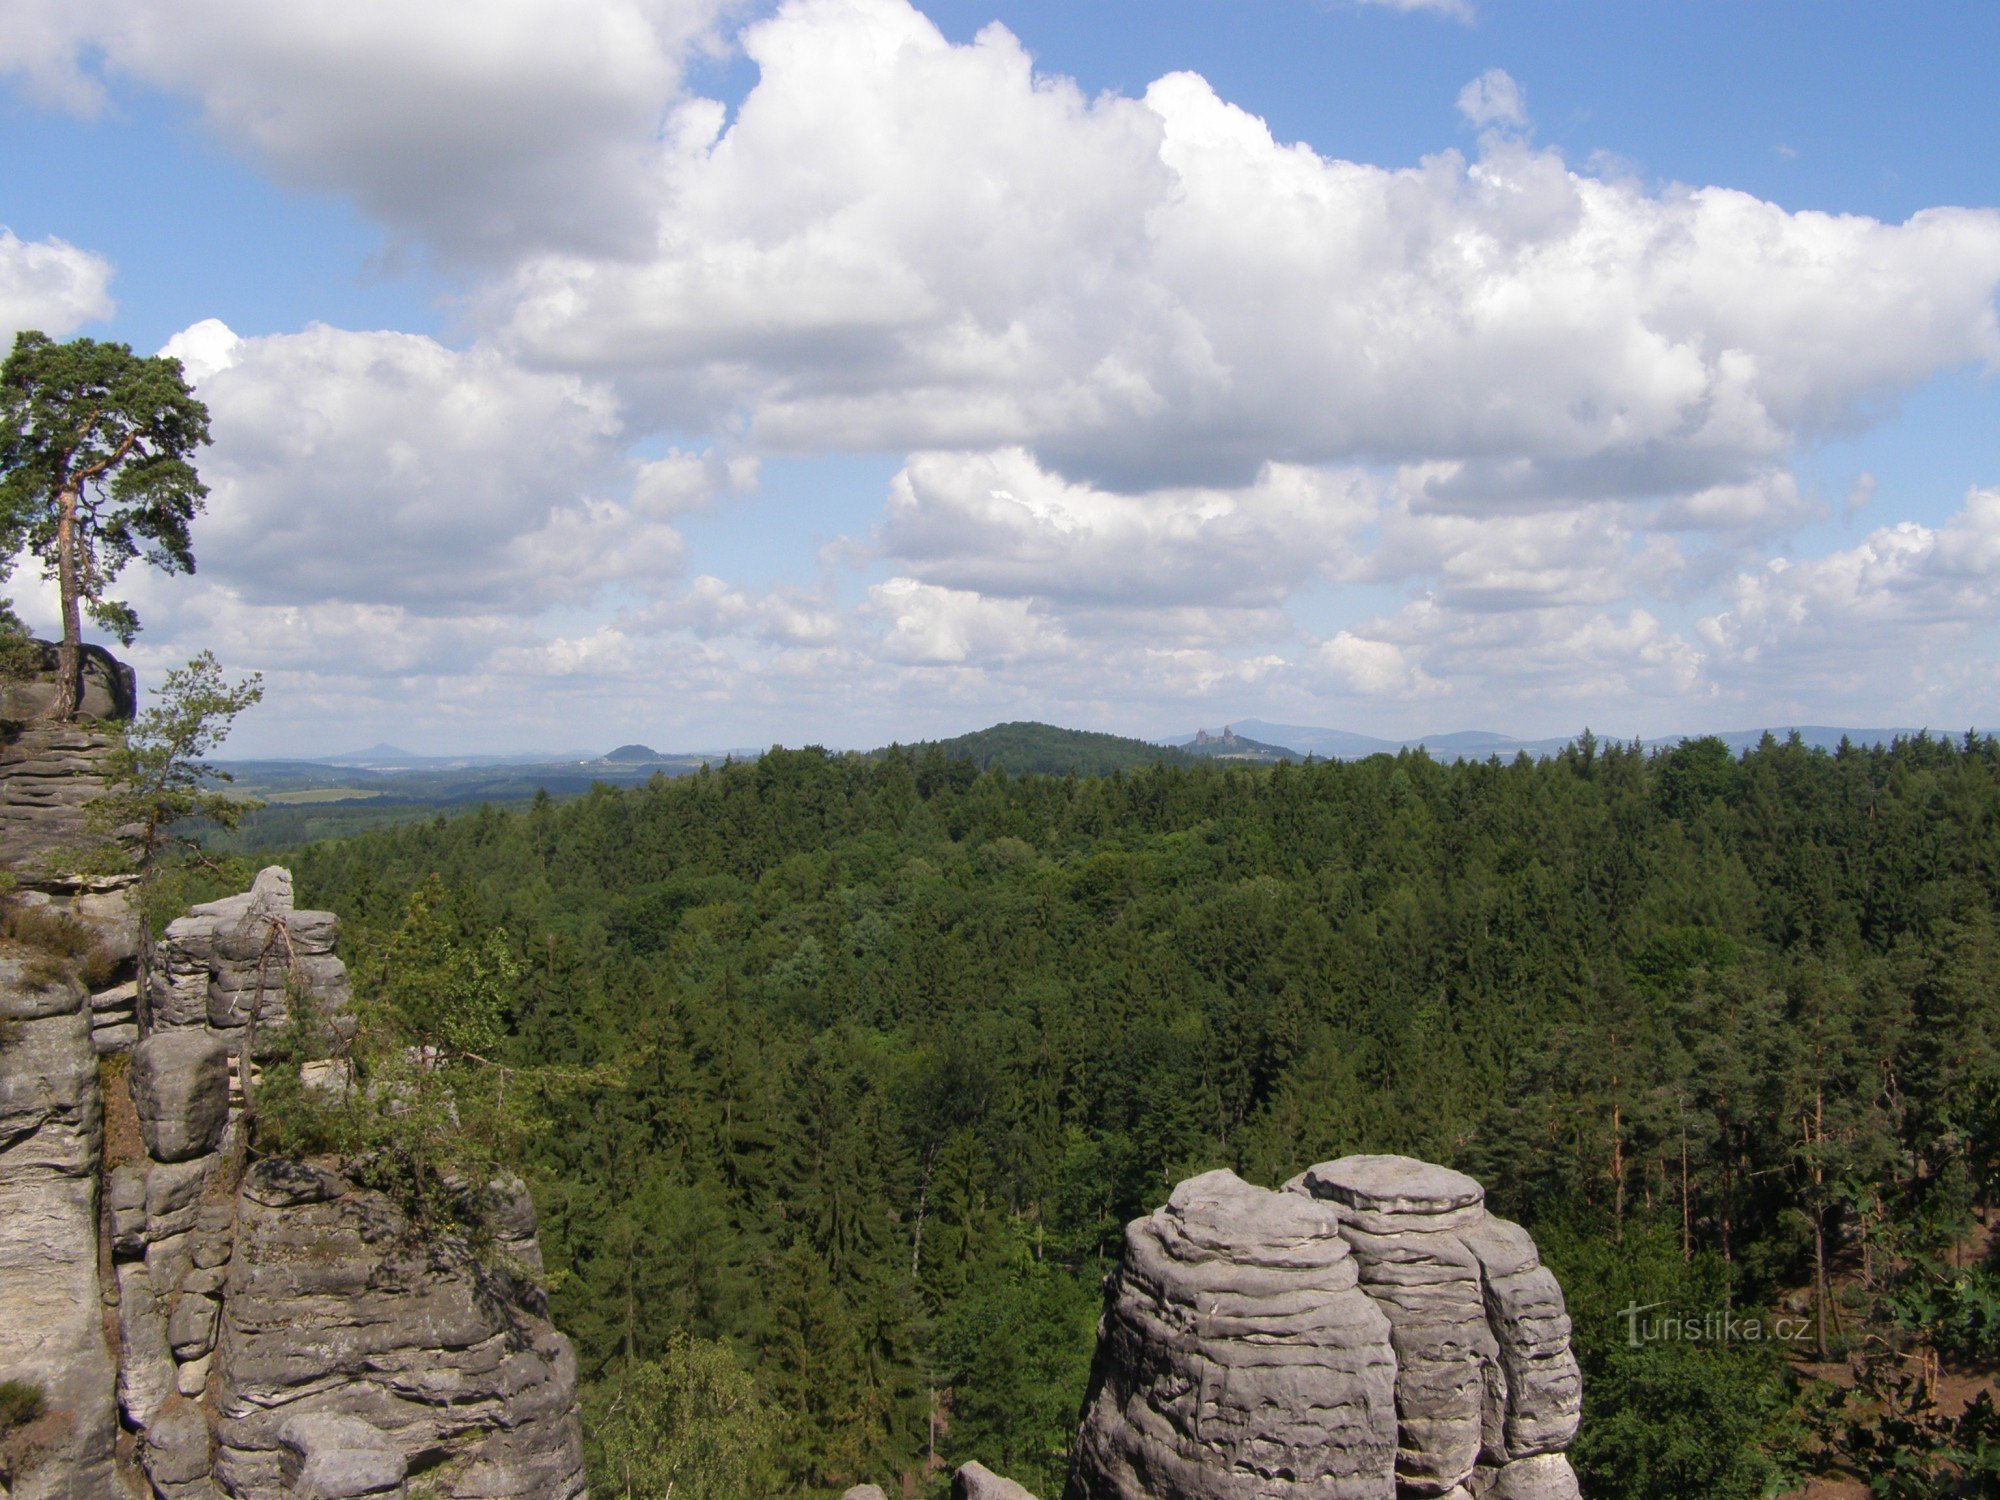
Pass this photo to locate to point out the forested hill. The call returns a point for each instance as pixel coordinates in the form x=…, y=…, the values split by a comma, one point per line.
x=1027, y=748
x=895, y=1046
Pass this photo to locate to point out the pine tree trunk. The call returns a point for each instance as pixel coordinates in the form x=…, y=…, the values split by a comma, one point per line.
x=69, y=655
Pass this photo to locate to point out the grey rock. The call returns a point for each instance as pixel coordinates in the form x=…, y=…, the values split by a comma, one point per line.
x=1546, y=1476
x=329, y=1308
x=864, y=1492
x=105, y=1040
x=249, y=957
x=278, y=1183
x=1399, y=1214
x=191, y=1378
x=977, y=1482
x=51, y=1133
x=173, y=1196
x=110, y=689
x=1237, y=1357
x=1369, y=1333
x=191, y=1328
x=328, y=1456
x=1524, y=1307
x=146, y=1364
x=179, y=1446
x=125, y=1205
x=180, y=1084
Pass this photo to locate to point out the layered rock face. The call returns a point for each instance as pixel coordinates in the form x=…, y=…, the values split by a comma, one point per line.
x=1368, y=1333
x=1237, y=1354
x=344, y=1346
x=275, y=1331
x=52, y=1332
x=48, y=771
x=235, y=966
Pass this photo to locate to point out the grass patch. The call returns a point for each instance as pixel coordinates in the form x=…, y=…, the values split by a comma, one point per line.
x=20, y=1403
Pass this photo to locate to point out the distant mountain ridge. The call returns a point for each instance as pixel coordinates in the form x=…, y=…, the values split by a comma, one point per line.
x=1479, y=744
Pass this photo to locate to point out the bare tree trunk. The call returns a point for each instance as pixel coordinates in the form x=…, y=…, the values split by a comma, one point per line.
x=69, y=655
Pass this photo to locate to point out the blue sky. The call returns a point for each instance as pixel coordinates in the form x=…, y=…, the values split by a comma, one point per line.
x=846, y=370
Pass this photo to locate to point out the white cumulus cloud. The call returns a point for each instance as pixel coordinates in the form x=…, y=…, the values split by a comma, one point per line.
x=477, y=125
x=897, y=243
x=51, y=285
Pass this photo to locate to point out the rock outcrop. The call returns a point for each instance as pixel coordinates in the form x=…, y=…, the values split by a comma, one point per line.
x=1368, y=1333
x=235, y=966
x=275, y=1331
x=52, y=1333
x=49, y=771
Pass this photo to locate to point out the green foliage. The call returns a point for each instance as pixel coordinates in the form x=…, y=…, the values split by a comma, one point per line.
x=20, y=1403
x=20, y=657
x=156, y=781
x=899, y=1045
x=95, y=449
x=686, y=1426
x=1890, y=1428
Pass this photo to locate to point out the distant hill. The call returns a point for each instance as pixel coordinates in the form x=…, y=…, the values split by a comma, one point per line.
x=1024, y=748
x=632, y=755
x=1231, y=746
x=1479, y=744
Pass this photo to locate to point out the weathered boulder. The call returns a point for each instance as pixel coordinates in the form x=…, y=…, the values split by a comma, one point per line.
x=1368, y=1333
x=1237, y=1357
x=977, y=1482
x=1399, y=1214
x=180, y=1084
x=864, y=1492
x=1485, y=1376
x=179, y=1448
x=110, y=689
x=51, y=1315
x=48, y=772
x=246, y=959
x=333, y=1308
x=330, y=1457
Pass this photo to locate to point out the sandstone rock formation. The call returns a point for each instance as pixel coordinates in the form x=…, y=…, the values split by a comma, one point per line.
x=235, y=966
x=49, y=771
x=110, y=690
x=51, y=1140
x=977, y=1482
x=1368, y=1333
x=277, y=1331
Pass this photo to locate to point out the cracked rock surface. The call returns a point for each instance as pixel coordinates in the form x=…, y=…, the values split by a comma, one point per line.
x=1369, y=1332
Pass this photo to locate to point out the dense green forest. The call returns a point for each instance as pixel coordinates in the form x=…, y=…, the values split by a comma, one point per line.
x=872, y=1057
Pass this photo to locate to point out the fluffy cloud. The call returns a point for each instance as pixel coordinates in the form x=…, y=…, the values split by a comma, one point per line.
x=51, y=285
x=1903, y=594
x=479, y=125
x=934, y=626
x=387, y=469
x=1553, y=658
x=898, y=242
x=1493, y=98
x=999, y=523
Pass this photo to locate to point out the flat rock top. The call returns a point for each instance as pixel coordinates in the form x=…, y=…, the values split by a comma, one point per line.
x=1392, y=1185
x=1221, y=1217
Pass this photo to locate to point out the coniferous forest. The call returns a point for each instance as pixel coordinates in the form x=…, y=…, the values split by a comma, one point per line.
x=874, y=1056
